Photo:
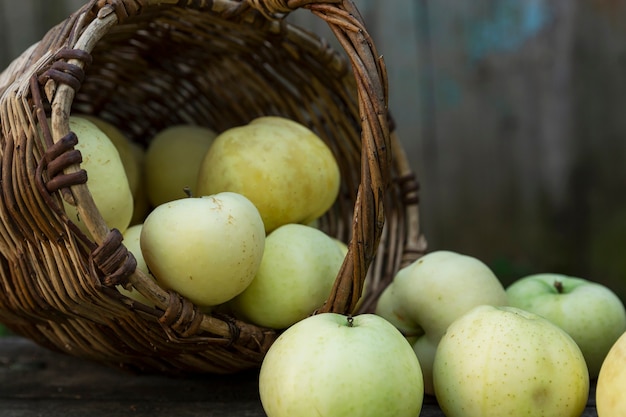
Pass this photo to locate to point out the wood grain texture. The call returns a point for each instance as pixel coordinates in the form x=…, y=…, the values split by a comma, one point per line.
x=35, y=381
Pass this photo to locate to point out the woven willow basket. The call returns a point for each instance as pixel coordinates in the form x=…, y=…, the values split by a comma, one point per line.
x=144, y=65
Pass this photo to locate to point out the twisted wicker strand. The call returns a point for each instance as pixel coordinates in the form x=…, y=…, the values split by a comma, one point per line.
x=277, y=9
x=113, y=259
x=182, y=317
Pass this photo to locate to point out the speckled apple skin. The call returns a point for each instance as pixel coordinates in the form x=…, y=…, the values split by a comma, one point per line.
x=589, y=312
x=321, y=366
x=437, y=289
x=503, y=361
x=610, y=394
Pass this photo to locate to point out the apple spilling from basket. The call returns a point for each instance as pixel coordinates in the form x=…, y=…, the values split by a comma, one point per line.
x=227, y=220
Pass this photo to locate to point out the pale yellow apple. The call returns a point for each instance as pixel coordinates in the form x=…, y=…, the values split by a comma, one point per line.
x=131, y=242
x=387, y=308
x=284, y=168
x=123, y=146
x=132, y=155
x=588, y=311
x=299, y=266
x=207, y=249
x=334, y=366
x=141, y=206
x=610, y=398
x=172, y=162
x=504, y=361
x=107, y=180
x=435, y=290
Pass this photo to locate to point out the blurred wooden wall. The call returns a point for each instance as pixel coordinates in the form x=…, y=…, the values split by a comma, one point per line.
x=512, y=113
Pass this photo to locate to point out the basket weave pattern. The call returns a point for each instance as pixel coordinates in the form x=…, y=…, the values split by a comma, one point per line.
x=144, y=65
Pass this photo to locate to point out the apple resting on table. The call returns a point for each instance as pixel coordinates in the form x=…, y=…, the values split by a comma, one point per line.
x=207, y=249
x=284, y=168
x=610, y=398
x=334, y=366
x=589, y=312
x=504, y=361
x=432, y=292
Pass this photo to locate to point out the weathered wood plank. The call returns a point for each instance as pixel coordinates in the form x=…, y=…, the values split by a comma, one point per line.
x=497, y=120
x=36, y=381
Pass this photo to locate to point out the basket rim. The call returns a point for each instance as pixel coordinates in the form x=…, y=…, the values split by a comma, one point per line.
x=373, y=107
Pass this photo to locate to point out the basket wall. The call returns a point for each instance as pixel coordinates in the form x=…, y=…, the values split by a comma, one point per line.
x=146, y=65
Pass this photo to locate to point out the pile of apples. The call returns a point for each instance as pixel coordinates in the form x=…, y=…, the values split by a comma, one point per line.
x=446, y=327
x=228, y=220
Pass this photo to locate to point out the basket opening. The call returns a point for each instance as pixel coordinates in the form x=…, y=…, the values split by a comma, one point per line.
x=179, y=65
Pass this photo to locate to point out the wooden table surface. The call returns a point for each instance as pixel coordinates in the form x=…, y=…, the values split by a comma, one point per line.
x=38, y=382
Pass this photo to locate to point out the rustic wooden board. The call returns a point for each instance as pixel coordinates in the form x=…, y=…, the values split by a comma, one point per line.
x=35, y=381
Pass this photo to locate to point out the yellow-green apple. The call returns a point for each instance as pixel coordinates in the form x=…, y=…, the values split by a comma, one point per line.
x=132, y=155
x=172, y=162
x=299, y=266
x=386, y=307
x=284, y=168
x=589, y=312
x=337, y=366
x=124, y=147
x=435, y=290
x=107, y=181
x=131, y=242
x=610, y=398
x=504, y=361
x=207, y=249
x=141, y=206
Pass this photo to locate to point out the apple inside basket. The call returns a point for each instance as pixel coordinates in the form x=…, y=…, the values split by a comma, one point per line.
x=217, y=65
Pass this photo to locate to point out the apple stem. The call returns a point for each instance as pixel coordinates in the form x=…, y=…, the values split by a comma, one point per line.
x=559, y=286
x=187, y=192
x=350, y=321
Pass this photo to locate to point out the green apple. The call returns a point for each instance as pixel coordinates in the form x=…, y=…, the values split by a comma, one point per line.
x=297, y=272
x=285, y=169
x=131, y=242
x=207, y=249
x=107, y=181
x=172, y=162
x=610, y=398
x=504, y=361
x=435, y=290
x=334, y=366
x=589, y=312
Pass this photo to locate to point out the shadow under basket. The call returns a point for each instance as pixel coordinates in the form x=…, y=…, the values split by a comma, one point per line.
x=144, y=65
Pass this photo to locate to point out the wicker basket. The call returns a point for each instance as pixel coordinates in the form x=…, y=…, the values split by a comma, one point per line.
x=144, y=65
